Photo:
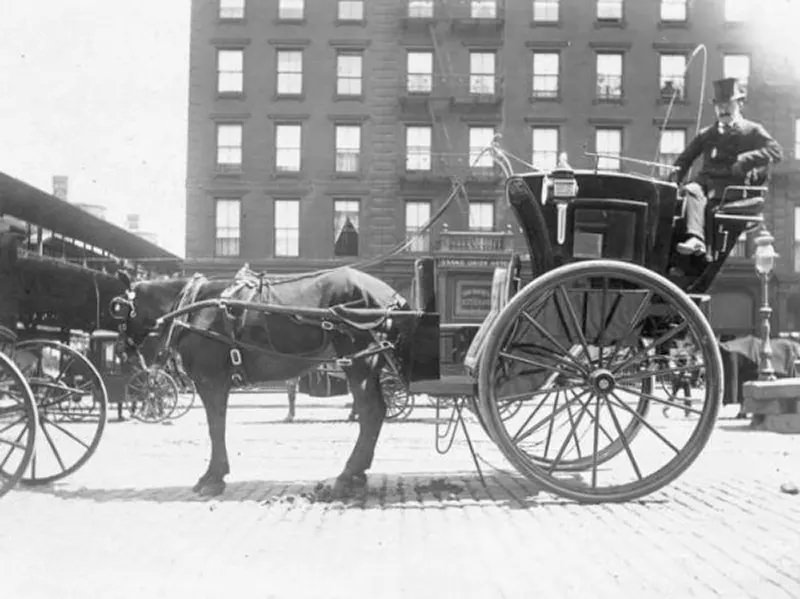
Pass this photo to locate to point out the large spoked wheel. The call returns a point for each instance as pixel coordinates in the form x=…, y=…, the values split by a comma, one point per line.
x=186, y=396
x=18, y=424
x=399, y=402
x=72, y=402
x=577, y=349
x=152, y=395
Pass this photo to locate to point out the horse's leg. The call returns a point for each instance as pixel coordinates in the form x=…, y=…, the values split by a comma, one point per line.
x=215, y=401
x=291, y=390
x=365, y=387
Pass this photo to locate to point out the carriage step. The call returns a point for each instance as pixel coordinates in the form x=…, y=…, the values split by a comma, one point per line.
x=447, y=386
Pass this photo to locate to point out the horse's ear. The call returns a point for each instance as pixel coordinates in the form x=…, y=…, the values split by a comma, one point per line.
x=125, y=278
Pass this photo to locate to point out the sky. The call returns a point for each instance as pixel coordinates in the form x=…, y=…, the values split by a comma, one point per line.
x=97, y=90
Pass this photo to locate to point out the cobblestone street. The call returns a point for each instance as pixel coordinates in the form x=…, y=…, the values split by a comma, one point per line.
x=128, y=525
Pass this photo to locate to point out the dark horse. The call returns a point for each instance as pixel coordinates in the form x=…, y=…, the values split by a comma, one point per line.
x=276, y=346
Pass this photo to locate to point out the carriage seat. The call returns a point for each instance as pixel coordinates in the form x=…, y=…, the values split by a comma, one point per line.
x=741, y=204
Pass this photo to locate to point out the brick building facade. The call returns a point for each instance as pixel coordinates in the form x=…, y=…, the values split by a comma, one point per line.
x=322, y=132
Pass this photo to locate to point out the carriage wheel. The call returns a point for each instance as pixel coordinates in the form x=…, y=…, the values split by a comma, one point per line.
x=578, y=348
x=18, y=424
x=399, y=402
x=186, y=396
x=72, y=402
x=152, y=395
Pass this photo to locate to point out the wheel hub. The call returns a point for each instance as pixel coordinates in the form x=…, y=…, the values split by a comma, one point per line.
x=602, y=381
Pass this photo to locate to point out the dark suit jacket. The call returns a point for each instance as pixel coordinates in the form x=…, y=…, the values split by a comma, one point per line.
x=745, y=142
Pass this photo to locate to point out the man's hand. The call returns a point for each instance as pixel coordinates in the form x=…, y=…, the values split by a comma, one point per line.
x=738, y=169
x=674, y=177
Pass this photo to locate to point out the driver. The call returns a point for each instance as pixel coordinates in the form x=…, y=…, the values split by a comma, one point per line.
x=735, y=152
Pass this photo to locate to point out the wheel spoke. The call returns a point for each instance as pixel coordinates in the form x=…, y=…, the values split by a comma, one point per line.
x=574, y=318
x=659, y=400
x=553, y=414
x=44, y=419
x=647, y=425
x=602, y=428
x=507, y=399
x=634, y=323
x=564, y=353
x=52, y=444
x=531, y=362
x=624, y=438
x=515, y=437
x=640, y=355
x=564, y=445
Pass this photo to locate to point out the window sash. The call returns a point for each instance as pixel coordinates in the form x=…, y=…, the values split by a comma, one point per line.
x=417, y=215
x=231, y=9
x=229, y=145
x=671, y=144
x=420, y=9
x=544, y=144
x=227, y=227
x=344, y=210
x=673, y=10
x=348, y=148
x=609, y=10
x=545, y=74
x=420, y=72
x=418, y=148
x=290, y=72
x=483, y=9
x=479, y=138
x=230, y=71
x=288, y=145
x=608, y=141
x=672, y=68
x=737, y=65
x=351, y=10
x=348, y=74
x=290, y=9
x=287, y=228
x=545, y=11
x=481, y=216
x=736, y=10
x=609, y=76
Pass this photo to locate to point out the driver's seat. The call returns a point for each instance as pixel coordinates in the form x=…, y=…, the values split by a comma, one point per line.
x=740, y=211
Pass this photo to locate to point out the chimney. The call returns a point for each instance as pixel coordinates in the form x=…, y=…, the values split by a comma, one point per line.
x=61, y=187
x=132, y=223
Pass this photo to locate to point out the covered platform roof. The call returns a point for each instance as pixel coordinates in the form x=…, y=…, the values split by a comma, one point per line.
x=37, y=207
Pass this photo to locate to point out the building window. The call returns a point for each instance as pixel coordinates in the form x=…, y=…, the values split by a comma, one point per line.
x=736, y=10
x=481, y=72
x=737, y=65
x=420, y=9
x=229, y=146
x=481, y=216
x=227, y=227
x=348, y=148
x=348, y=74
x=290, y=72
x=420, y=72
x=545, y=11
x=673, y=10
x=797, y=139
x=345, y=227
x=418, y=148
x=417, y=216
x=287, y=227
x=739, y=249
x=287, y=148
x=351, y=10
x=671, y=143
x=545, y=74
x=479, y=139
x=671, y=79
x=797, y=239
x=231, y=9
x=230, y=71
x=609, y=76
x=483, y=9
x=290, y=10
x=544, y=143
x=609, y=10
x=608, y=141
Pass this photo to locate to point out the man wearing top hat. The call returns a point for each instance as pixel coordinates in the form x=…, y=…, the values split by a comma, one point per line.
x=735, y=152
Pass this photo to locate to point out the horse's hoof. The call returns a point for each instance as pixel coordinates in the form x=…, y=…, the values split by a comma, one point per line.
x=358, y=480
x=199, y=484
x=212, y=488
x=289, y=418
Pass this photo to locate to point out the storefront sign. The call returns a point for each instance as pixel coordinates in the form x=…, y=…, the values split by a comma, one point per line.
x=472, y=299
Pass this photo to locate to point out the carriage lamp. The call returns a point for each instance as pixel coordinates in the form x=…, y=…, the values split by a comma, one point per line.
x=565, y=187
x=764, y=258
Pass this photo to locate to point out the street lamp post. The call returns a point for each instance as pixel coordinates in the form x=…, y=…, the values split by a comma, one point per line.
x=765, y=262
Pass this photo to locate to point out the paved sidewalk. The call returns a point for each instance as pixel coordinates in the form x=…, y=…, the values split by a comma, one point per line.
x=127, y=524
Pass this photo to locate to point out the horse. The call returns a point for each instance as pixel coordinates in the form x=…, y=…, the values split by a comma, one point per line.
x=217, y=345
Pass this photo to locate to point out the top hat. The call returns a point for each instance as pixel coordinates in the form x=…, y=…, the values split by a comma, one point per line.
x=728, y=89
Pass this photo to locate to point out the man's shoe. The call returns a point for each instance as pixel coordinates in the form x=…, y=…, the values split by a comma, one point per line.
x=693, y=245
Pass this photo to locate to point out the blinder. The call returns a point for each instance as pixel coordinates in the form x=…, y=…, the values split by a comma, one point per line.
x=122, y=308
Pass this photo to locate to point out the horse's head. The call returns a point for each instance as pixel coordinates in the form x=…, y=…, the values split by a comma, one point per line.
x=139, y=308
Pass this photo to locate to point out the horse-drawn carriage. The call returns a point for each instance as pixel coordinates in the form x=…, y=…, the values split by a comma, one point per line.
x=560, y=374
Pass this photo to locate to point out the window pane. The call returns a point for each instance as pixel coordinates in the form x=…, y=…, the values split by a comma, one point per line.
x=287, y=147
x=290, y=72
x=481, y=216
x=736, y=10
x=345, y=227
x=351, y=10
x=673, y=142
x=348, y=148
x=228, y=219
x=230, y=64
x=479, y=138
x=545, y=74
x=420, y=72
x=483, y=9
x=797, y=238
x=348, y=74
x=737, y=65
x=229, y=145
x=290, y=9
x=544, y=142
x=673, y=10
x=287, y=228
x=417, y=215
x=545, y=10
x=420, y=9
x=481, y=72
x=418, y=148
x=231, y=9
x=671, y=81
x=609, y=141
x=609, y=9
x=797, y=139
x=609, y=75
